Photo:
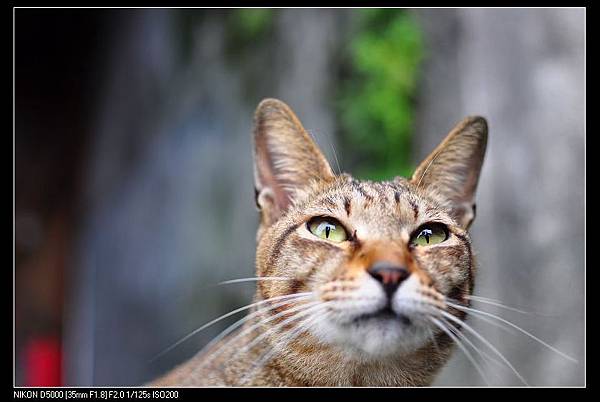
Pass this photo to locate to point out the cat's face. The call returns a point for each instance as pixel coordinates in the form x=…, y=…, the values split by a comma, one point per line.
x=374, y=258
x=362, y=248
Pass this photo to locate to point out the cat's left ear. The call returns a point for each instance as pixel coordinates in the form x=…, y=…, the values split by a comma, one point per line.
x=286, y=159
x=452, y=169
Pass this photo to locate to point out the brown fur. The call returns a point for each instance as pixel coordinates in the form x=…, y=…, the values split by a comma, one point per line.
x=294, y=183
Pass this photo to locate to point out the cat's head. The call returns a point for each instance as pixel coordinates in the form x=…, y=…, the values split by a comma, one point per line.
x=374, y=258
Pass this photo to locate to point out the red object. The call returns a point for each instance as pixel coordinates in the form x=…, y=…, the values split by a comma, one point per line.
x=43, y=362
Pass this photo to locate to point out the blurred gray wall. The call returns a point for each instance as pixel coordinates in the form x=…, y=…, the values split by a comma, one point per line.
x=169, y=205
x=524, y=71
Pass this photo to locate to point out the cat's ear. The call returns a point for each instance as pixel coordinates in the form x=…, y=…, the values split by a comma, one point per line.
x=453, y=168
x=286, y=159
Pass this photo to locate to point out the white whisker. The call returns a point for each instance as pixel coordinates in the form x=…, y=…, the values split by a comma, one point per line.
x=248, y=330
x=462, y=347
x=498, y=304
x=208, y=324
x=476, y=312
x=286, y=340
x=256, y=279
x=310, y=309
x=245, y=319
x=486, y=342
x=484, y=356
x=240, y=335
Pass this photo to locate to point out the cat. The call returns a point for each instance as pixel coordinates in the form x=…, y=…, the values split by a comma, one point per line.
x=354, y=278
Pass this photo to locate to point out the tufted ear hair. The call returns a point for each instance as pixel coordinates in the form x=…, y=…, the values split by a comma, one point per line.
x=452, y=169
x=286, y=159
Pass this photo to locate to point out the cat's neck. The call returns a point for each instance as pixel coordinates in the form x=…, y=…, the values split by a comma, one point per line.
x=325, y=366
x=307, y=362
x=304, y=363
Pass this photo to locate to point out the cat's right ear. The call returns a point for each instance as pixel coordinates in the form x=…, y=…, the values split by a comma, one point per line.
x=286, y=159
x=453, y=168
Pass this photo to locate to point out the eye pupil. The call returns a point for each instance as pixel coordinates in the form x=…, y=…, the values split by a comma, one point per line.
x=433, y=234
x=426, y=233
x=327, y=228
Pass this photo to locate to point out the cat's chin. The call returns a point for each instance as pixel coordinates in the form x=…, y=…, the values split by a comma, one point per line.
x=375, y=337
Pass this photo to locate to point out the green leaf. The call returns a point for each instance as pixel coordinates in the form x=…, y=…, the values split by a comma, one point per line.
x=376, y=103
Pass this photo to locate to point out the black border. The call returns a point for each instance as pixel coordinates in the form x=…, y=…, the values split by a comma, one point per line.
x=292, y=394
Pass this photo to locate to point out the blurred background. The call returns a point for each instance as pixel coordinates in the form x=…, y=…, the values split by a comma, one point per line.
x=133, y=171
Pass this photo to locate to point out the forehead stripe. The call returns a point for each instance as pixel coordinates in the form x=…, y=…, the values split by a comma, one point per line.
x=415, y=207
x=275, y=253
x=470, y=256
x=356, y=185
x=347, y=205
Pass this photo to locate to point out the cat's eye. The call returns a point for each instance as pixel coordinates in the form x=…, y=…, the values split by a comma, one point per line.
x=328, y=229
x=429, y=234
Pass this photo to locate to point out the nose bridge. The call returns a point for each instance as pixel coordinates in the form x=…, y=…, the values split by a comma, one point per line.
x=390, y=252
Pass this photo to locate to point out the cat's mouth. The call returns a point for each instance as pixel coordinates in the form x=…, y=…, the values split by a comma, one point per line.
x=386, y=314
x=378, y=334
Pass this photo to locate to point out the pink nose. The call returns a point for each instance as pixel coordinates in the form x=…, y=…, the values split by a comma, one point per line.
x=389, y=275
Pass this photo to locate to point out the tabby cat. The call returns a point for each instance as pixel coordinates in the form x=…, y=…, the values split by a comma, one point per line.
x=355, y=279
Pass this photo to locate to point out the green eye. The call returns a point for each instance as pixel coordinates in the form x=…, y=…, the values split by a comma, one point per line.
x=430, y=234
x=327, y=228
